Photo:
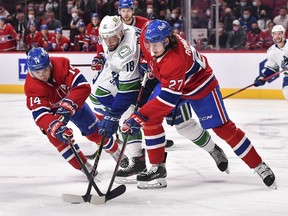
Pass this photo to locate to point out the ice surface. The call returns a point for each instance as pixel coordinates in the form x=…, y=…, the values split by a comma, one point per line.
x=33, y=175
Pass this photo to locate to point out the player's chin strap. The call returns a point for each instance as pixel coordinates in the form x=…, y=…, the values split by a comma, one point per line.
x=251, y=85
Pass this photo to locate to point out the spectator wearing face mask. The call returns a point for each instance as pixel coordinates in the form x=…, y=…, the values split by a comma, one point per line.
x=253, y=37
x=247, y=19
x=223, y=35
x=263, y=21
x=33, y=19
x=196, y=20
x=282, y=18
x=74, y=23
x=53, y=5
x=238, y=10
x=150, y=13
x=258, y=6
x=227, y=19
x=237, y=37
x=176, y=16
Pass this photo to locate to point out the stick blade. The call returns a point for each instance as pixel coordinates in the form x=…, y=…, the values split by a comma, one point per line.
x=73, y=199
x=98, y=200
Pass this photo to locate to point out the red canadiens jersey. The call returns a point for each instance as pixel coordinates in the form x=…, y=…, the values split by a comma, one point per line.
x=182, y=71
x=139, y=22
x=46, y=40
x=7, y=38
x=42, y=97
x=60, y=45
x=33, y=40
x=82, y=42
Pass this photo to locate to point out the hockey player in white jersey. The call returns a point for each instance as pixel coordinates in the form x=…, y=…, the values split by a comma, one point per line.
x=277, y=58
x=116, y=87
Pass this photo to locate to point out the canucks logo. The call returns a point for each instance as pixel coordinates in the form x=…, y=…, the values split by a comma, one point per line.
x=284, y=63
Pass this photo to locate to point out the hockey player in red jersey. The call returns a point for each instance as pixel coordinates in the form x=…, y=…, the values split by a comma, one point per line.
x=56, y=94
x=184, y=74
x=92, y=31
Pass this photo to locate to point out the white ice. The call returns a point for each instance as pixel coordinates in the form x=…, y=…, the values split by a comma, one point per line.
x=33, y=175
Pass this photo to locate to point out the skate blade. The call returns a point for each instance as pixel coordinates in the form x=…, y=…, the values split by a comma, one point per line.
x=126, y=180
x=154, y=184
x=273, y=186
x=227, y=170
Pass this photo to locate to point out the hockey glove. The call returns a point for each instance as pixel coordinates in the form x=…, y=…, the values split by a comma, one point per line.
x=133, y=123
x=61, y=132
x=98, y=62
x=259, y=81
x=109, y=124
x=67, y=109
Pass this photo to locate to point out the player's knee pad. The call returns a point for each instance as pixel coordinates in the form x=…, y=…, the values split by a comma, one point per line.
x=180, y=115
x=189, y=129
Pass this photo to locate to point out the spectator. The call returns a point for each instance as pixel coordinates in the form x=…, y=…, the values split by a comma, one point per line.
x=33, y=39
x=32, y=19
x=3, y=12
x=51, y=22
x=88, y=10
x=20, y=28
x=176, y=16
x=227, y=19
x=282, y=18
x=60, y=42
x=196, y=21
x=74, y=24
x=253, y=37
x=81, y=41
x=237, y=37
x=53, y=5
x=238, y=10
x=164, y=7
x=263, y=21
x=266, y=39
x=258, y=6
x=18, y=9
x=137, y=11
x=150, y=12
x=46, y=38
x=7, y=35
x=246, y=19
x=223, y=35
x=102, y=8
x=80, y=5
x=92, y=31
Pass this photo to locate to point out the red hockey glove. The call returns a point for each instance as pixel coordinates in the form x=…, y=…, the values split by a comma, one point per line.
x=133, y=123
x=98, y=62
x=67, y=109
x=61, y=132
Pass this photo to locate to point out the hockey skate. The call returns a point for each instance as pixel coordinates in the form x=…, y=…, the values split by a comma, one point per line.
x=154, y=177
x=136, y=166
x=266, y=175
x=89, y=167
x=220, y=159
x=124, y=160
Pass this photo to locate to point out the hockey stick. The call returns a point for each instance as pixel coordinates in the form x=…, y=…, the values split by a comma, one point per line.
x=75, y=199
x=122, y=188
x=81, y=65
x=251, y=85
x=109, y=195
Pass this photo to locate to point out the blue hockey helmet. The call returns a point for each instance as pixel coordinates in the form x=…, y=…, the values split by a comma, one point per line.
x=126, y=4
x=158, y=31
x=58, y=30
x=37, y=59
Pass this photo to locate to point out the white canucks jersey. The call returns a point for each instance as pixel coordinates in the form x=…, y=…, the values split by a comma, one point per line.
x=124, y=60
x=120, y=77
x=276, y=57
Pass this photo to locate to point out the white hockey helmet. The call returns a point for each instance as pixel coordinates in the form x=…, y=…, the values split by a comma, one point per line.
x=278, y=28
x=110, y=26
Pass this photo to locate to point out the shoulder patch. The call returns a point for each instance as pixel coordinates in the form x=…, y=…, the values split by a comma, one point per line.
x=124, y=51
